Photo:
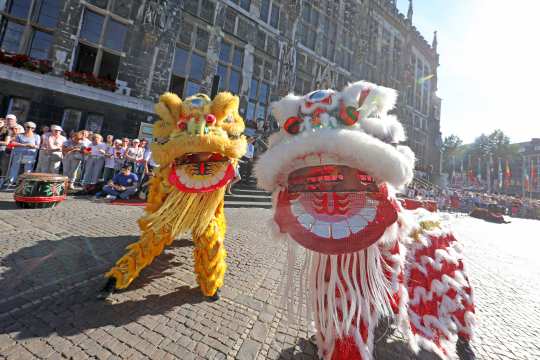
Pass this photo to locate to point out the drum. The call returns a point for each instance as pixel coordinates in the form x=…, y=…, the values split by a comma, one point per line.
x=39, y=190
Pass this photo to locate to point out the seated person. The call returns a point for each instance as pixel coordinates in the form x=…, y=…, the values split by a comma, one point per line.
x=122, y=185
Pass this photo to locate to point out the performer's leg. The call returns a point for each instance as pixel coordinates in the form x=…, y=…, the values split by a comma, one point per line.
x=139, y=255
x=209, y=254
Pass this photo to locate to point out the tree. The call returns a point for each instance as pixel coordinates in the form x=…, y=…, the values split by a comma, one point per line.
x=450, y=149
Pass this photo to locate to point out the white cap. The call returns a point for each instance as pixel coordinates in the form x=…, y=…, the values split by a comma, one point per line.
x=11, y=116
x=56, y=127
x=136, y=140
x=30, y=124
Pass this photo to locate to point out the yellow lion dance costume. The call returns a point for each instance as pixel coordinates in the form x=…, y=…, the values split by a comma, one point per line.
x=197, y=144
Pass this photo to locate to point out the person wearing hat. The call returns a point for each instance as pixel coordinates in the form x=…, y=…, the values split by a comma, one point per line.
x=24, y=151
x=135, y=156
x=53, y=151
x=114, y=158
x=11, y=121
x=122, y=185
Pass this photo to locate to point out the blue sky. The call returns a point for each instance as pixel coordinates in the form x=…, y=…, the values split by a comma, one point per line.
x=489, y=64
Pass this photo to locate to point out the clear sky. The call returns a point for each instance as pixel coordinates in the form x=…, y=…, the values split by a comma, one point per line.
x=489, y=72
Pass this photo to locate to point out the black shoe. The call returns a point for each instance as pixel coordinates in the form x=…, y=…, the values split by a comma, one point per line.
x=214, y=297
x=464, y=350
x=108, y=289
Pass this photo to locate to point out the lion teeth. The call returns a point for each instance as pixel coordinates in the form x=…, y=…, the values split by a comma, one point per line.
x=297, y=209
x=306, y=221
x=321, y=228
x=340, y=230
x=356, y=223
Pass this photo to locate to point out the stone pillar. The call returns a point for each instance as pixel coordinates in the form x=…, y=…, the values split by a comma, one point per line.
x=212, y=58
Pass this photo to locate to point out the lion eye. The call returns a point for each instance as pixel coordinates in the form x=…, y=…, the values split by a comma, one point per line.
x=348, y=114
x=292, y=125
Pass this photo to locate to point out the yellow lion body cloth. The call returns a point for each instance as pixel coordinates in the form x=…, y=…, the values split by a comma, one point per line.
x=197, y=144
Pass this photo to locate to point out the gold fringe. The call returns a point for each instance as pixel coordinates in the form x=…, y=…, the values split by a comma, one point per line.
x=209, y=254
x=179, y=213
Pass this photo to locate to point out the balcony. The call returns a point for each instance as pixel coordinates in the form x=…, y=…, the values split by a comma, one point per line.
x=69, y=88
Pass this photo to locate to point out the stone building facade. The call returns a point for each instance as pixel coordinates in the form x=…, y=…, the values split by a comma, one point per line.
x=258, y=49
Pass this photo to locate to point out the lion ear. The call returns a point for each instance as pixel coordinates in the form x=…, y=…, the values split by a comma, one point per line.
x=224, y=104
x=169, y=107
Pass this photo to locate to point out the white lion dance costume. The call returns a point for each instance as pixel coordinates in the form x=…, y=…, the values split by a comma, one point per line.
x=334, y=168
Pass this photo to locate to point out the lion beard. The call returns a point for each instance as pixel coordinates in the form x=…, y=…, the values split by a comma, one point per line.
x=183, y=211
x=345, y=295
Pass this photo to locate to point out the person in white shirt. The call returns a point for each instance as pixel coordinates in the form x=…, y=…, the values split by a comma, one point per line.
x=135, y=156
x=43, y=156
x=95, y=161
x=114, y=158
x=55, y=141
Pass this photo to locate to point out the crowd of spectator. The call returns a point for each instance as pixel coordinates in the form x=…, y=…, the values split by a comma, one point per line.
x=464, y=201
x=83, y=156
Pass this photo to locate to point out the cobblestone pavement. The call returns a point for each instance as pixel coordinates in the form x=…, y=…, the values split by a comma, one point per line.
x=52, y=261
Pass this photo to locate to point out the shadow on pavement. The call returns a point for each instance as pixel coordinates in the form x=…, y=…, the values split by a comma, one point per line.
x=8, y=205
x=63, y=267
x=387, y=347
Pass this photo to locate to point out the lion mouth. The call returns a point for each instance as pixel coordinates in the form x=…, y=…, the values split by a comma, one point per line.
x=334, y=209
x=201, y=172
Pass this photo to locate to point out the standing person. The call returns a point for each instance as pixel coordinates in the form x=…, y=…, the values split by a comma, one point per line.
x=55, y=141
x=5, y=138
x=135, y=155
x=72, y=160
x=247, y=163
x=43, y=154
x=109, y=140
x=44, y=130
x=125, y=143
x=95, y=161
x=114, y=159
x=11, y=124
x=24, y=152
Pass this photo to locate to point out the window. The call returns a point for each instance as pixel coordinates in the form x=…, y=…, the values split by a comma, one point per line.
x=86, y=57
x=27, y=28
x=265, y=10
x=102, y=39
x=109, y=66
x=11, y=36
x=270, y=12
x=202, y=8
x=229, y=69
x=308, y=25
x=41, y=43
x=115, y=35
x=187, y=73
x=244, y=4
x=91, y=26
x=259, y=97
x=19, y=8
x=47, y=13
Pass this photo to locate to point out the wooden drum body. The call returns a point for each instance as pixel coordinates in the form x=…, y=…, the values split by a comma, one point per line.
x=39, y=190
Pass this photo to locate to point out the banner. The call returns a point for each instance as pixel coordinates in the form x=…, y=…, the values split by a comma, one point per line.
x=500, y=174
x=507, y=175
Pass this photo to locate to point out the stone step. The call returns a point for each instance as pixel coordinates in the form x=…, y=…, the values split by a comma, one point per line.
x=247, y=204
x=249, y=191
x=252, y=198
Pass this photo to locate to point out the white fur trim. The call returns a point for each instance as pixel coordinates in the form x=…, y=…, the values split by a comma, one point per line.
x=286, y=107
x=359, y=150
x=381, y=99
x=385, y=128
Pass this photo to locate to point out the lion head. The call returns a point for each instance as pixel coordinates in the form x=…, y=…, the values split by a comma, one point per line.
x=334, y=166
x=198, y=141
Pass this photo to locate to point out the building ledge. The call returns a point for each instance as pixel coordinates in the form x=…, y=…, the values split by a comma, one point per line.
x=58, y=84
